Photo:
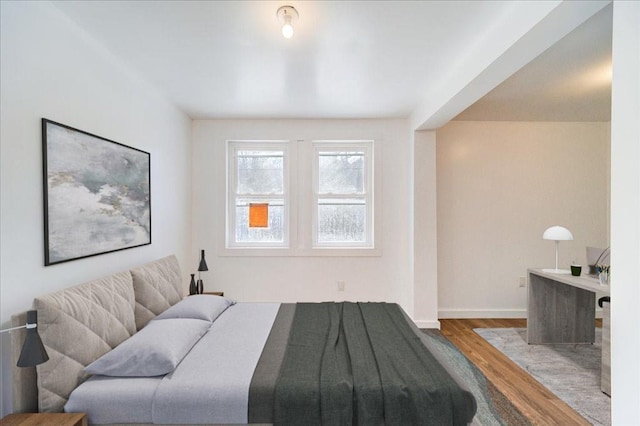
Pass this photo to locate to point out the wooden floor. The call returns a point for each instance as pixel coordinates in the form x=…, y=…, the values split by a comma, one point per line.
x=533, y=400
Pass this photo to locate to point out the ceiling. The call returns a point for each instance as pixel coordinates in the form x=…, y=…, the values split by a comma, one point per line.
x=348, y=59
x=570, y=81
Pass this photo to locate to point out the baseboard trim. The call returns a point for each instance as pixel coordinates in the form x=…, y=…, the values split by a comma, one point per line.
x=485, y=313
x=427, y=324
x=481, y=313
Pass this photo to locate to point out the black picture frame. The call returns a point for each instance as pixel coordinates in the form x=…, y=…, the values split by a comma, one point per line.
x=96, y=192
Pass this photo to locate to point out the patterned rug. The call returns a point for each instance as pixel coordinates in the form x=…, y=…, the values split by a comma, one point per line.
x=571, y=372
x=493, y=407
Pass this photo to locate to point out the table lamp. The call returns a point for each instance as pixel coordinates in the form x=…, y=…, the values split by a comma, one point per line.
x=557, y=233
x=201, y=268
x=33, y=351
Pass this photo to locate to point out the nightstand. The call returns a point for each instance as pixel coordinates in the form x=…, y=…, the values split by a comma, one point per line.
x=215, y=293
x=45, y=419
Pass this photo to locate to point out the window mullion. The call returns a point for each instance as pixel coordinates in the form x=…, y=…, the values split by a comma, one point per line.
x=261, y=196
x=342, y=196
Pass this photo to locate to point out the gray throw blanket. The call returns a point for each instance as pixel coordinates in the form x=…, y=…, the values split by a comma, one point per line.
x=361, y=363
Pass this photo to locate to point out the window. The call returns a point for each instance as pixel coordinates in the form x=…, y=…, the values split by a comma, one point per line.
x=343, y=197
x=302, y=198
x=258, y=201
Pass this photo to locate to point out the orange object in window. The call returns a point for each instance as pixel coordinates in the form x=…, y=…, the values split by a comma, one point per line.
x=258, y=215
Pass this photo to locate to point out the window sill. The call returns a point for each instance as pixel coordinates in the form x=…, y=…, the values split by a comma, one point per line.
x=289, y=252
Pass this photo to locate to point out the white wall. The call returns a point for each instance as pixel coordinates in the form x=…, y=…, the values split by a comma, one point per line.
x=51, y=68
x=499, y=186
x=625, y=215
x=289, y=279
x=425, y=244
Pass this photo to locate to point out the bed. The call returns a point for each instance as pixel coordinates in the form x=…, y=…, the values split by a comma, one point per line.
x=131, y=349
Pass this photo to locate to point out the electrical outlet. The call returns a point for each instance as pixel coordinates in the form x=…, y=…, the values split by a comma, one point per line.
x=340, y=285
x=523, y=281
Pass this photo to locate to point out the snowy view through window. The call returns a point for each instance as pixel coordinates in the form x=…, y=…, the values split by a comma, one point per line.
x=341, y=202
x=319, y=194
x=260, y=178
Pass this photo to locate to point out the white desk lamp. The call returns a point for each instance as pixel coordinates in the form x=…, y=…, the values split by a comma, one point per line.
x=557, y=233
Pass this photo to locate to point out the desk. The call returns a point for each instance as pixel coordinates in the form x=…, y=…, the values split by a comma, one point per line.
x=561, y=307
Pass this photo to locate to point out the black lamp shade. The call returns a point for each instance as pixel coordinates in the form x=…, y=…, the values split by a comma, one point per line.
x=33, y=351
x=203, y=263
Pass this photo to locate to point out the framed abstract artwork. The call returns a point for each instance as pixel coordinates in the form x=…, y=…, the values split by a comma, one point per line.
x=97, y=194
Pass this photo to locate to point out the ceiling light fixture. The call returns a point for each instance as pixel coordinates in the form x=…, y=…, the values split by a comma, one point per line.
x=287, y=15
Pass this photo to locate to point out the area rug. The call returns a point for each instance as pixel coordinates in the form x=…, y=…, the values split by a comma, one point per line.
x=493, y=407
x=571, y=372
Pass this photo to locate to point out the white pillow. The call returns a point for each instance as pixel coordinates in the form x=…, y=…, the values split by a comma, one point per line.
x=205, y=307
x=153, y=351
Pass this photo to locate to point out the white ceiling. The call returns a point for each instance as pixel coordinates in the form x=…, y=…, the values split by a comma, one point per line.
x=349, y=59
x=570, y=81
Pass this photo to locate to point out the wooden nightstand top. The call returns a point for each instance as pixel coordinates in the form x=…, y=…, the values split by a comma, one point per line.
x=45, y=419
x=215, y=293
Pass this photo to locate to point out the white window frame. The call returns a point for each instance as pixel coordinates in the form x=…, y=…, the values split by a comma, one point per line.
x=300, y=200
x=233, y=147
x=367, y=195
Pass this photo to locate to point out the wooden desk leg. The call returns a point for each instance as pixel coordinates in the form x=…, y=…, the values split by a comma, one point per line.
x=559, y=313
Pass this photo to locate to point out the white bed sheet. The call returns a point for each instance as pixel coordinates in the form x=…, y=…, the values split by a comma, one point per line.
x=114, y=399
x=210, y=385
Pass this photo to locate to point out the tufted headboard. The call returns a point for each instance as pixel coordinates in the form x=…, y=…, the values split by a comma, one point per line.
x=157, y=286
x=79, y=324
